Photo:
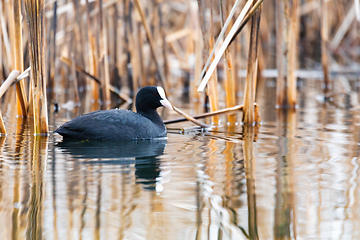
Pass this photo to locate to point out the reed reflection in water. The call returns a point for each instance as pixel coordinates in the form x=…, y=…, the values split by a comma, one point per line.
x=294, y=177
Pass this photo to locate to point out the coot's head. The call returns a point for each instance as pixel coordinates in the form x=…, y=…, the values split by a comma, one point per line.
x=150, y=98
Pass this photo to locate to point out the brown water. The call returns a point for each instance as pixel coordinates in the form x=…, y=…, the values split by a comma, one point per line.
x=297, y=176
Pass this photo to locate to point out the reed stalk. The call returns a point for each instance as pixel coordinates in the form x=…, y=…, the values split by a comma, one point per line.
x=18, y=60
x=35, y=21
x=8, y=82
x=52, y=51
x=5, y=35
x=189, y=118
x=220, y=37
x=225, y=44
x=292, y=36
x=1, y=47
x=222, y=111
x=226, y=110
x=251, y=77
x=75, y=80
x=105, y=83
x=92, y=77
x=213, y=83
x=229, y=79
x=286, y=37
x=246, y=19
x=163, y=40
x=324, y=45
x=198, y=64
x=93, y=63
x=151, y=43
x=280, y=56
x=134, y=53
x=2, y=126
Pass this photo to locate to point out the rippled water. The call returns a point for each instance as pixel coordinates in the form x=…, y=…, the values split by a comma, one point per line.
x=295, y=176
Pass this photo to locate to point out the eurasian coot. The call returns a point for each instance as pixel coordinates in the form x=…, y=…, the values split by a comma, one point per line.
x=121, y=125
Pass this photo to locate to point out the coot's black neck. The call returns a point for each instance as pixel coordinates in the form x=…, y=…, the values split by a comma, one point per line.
x=153, y=116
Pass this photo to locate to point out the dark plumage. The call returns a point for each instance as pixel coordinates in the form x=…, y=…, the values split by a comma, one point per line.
x=121, y=125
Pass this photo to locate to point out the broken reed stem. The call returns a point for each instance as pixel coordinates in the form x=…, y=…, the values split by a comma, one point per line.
x=209, y=114
x=225, y=25
x=151, y=43
x=235, y=108
x=189, y=118
x=18, y=63
x=324, y=44
x=8, y=82
x=250, y=85
x=35, y=22
x=12, y=78
x=225, y=44
x=247, y=18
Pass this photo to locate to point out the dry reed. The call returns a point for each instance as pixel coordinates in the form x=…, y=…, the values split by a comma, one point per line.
x=286, y=38
x=324, y=45
x=251, y=78
x=229, y=76
x=35, y=21
x=18, y=59
x=124, y=44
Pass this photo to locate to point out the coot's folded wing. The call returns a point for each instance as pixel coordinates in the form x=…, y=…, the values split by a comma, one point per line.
x=101, y=125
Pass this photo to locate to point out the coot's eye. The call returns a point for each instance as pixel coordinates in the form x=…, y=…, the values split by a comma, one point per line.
x=154, y=94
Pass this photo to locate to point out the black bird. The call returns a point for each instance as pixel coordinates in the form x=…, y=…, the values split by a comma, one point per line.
x=121, y=125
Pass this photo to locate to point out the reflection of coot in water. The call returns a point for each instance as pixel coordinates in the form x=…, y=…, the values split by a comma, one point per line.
x=143, y=153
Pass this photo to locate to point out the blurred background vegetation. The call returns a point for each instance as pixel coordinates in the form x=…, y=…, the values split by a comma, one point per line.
x=97, y=54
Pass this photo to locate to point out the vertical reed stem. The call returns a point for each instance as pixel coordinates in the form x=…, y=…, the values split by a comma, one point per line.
x=151, y=43
x=35, y=22
x=324, y=44
x=18, y=63
x=291, y=47
x=93, y=68
x=106, y=76
x=213, y=83
x=2, y=126
x=280, y=56
x=229, y=79
x=250, y=85
x=286, y=38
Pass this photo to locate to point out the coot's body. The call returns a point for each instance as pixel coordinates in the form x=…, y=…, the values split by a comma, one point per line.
x=121, y=125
